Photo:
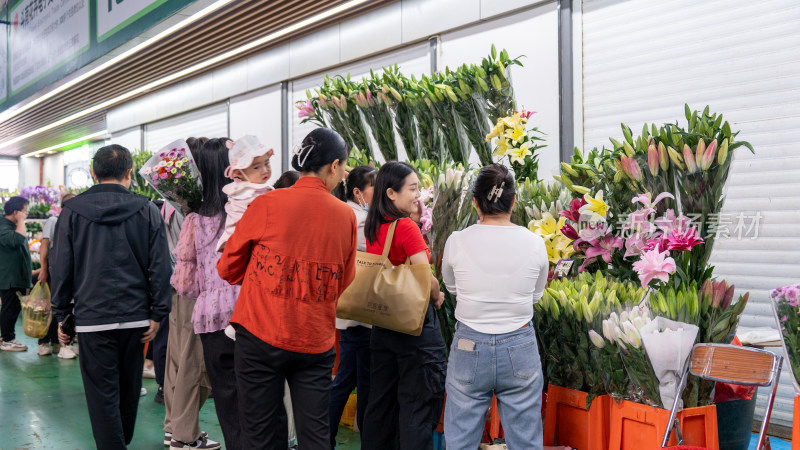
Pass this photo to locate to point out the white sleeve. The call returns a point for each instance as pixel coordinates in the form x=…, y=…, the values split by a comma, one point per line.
x=448, y=275
x=49, y=228
x=540, y=258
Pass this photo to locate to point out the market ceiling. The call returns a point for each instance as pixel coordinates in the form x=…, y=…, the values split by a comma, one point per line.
x=237, y=24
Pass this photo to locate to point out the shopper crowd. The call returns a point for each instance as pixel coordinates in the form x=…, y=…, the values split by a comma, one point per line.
x=241, y=293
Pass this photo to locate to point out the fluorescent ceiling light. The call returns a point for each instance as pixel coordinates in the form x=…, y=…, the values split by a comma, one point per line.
x=64, y=144
x=155, y=39
x=190, y=70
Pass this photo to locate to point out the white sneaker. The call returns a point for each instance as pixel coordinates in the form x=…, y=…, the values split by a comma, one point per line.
x=44, y=350
x=66, y=352
x=143, y=392
x=13, y=346
x=203, y=442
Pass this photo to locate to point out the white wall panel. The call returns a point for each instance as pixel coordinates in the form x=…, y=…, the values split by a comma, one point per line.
x=268, y=68
x=314, y=51
x=229, y=81
x=210, y=122
x=9, y=174
x=491, y=8
x=371, y=33
x=28, y=172
x=642, y=60
x=423, y=18
x=130, y=138
x=259, y=113
x=53, y=170
x=535, y=84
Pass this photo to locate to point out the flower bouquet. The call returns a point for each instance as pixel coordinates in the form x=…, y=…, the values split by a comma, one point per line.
x=787, y=317
x=36, y=311
x=173, y=173
x=140, y=184
x=513, y=140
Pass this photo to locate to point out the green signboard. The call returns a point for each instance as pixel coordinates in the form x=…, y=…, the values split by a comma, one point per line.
x=46, y=40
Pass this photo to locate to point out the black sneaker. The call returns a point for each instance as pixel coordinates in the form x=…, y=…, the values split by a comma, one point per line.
x=159, y=395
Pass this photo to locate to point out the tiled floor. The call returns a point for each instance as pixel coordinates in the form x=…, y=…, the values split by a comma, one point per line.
x=42, y=406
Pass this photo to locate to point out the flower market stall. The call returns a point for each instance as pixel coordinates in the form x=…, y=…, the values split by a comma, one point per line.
x=635, y=221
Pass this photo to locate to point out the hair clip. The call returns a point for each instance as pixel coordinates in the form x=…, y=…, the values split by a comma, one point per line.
x=496, y=192
x=301, y=159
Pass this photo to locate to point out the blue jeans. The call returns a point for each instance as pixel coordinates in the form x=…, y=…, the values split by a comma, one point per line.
x=507, y=365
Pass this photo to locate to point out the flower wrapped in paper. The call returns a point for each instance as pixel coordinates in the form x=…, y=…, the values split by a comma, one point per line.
x=668, y=343
x=173, y=173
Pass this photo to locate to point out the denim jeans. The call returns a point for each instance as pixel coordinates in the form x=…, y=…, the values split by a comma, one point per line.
x=507, y=365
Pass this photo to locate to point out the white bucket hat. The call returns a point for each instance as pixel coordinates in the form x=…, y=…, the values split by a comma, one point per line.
x=243, y=151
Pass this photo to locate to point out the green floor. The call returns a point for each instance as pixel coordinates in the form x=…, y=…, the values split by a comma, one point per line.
x=42, y=406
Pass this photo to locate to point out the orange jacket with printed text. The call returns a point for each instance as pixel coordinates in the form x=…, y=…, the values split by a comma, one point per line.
x=294, y=253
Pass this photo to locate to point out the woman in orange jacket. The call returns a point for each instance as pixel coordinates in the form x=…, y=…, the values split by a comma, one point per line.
x=294, y=253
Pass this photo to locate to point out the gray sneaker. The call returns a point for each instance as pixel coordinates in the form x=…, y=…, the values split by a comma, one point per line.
x=168, y=437
x=203, y=443
x=13, y=346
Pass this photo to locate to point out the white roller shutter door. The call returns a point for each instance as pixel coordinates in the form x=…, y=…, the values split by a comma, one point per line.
x=642, y=60
x=210, y=122
x=414, y=60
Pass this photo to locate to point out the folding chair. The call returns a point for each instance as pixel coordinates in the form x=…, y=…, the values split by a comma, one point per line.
x=731, y=364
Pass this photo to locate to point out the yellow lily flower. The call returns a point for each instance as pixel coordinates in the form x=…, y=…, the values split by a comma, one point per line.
x=510, y=121
x=518, y=155
x=595, y=207
x=496, y=131
x=502, y=147
x=516, y=134
x=547, y=226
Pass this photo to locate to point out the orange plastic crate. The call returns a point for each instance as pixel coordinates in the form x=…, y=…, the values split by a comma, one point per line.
x=796, y=424
x=635, y=426
x=568, y=422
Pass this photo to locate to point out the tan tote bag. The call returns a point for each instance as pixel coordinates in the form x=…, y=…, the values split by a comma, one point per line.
x=385, y=295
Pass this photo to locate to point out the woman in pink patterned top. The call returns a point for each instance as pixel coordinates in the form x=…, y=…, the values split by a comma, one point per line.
x=196, y=276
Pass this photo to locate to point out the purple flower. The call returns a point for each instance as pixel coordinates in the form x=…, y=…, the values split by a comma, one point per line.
x=164, y=176
x=784, y=319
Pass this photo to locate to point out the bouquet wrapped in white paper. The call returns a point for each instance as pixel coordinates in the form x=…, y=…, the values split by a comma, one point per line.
x=668, y=344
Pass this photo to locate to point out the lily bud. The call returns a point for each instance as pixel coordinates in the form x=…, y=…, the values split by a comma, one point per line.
x=688, y=158
x=708, y=155
x=722, y=155
x=628, y=149
x=596, y=339
x=676, y=158
x=699, y=152
x=568, y=168
x=631, y=168
x=726, y=300
x=662, y=156
x=653, y=159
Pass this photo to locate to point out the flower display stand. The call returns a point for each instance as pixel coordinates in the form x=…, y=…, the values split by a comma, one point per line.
x=568, y=421
x=796, y=424
x=635, y=426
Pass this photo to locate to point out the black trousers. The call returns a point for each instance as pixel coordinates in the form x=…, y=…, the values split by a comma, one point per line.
x=218, y=351
x=9, y=312
x=159, y=346
x=260, y=372
x=111, y=366
x=353, y=372
x=406, y=389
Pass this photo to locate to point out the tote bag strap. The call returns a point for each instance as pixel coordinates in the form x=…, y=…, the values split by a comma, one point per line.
x=389, y=236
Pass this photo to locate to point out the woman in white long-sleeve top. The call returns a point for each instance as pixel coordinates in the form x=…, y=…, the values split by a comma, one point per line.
x=497, y=270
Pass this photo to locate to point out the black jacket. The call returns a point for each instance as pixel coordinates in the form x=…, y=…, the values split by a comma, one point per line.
x=110, y=255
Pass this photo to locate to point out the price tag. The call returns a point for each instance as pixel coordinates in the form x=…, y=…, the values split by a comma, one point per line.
x=563, y=267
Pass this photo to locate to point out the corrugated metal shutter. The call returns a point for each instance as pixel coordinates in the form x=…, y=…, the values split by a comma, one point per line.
x=412, y=60
x=642, y=60
x=211, y=122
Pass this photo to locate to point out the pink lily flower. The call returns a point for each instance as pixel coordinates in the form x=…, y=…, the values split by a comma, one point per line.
x=654, y=265
x=525, y=114
x=683, y=239
x=306, y=110
x=573, y=213
x=604, y=247
x=647, y=201
x=669, y=222
x=631, y=168
x=586, y=263
x=659, y=243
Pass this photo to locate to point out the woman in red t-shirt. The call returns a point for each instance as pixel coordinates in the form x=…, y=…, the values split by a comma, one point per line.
x=408, y=372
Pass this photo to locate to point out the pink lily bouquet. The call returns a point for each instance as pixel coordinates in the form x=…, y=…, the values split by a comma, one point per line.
x=645, y=246
x=173, y=173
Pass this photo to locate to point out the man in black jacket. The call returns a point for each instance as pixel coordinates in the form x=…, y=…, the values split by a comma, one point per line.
x=111, y=257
